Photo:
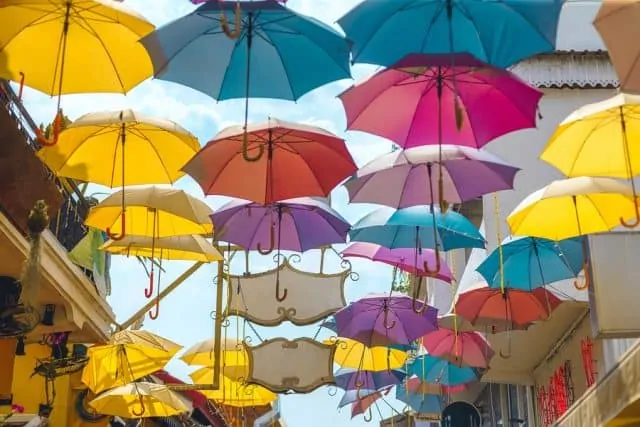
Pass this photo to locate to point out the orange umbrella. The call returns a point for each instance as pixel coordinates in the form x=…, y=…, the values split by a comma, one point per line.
x=272, y=161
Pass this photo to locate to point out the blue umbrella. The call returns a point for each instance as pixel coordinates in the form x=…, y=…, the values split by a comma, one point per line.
x=354, y=379
x=413, y=227
x=499, y=32
x=532, y=262
x=434, y=370
x=421, y=403
x=276, y=53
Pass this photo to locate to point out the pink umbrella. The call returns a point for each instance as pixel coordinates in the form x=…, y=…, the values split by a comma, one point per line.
x=468, y=348
x=403, y=258
x=441, y=99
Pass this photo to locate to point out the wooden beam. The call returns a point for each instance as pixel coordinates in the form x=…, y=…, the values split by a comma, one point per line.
x=217, y=338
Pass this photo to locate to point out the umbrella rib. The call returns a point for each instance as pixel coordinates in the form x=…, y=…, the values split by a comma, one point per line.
x=53, y=14
x=471, y=19
x=284, y=67
x=160, y=158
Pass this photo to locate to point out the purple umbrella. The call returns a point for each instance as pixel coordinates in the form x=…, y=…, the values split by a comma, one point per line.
x=467, y=174
x=403, y=258
x=383, y=320
x=355, y=379
x=294, y=225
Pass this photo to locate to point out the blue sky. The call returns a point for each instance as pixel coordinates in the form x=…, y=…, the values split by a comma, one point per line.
x=185, y=314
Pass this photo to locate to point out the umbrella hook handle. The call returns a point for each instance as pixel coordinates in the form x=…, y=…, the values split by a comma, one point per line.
x=148, y=292
x=245, y=150
x=587, y=279
x=56, y=128
x=505, y=355
x=416, y=292
x=272, y=242
x=285, y=292
x=634, y=222
x=385, y=318
x=153, y=315
x=368, y=416
x=143, y=408
x=438, y=266
x=117, y=237
x=224, y=23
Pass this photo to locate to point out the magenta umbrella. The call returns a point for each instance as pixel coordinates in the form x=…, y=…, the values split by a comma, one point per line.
x=441, y=99
x=468, y=173
x=403, y=258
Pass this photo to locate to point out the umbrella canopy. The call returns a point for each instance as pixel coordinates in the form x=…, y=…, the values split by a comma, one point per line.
x=405, y=259
x=531, y=262
x=353, y=354
x=183, y=248
x=128, y=356
x=381, y=320
x=419, y=402
x=437, y=99
x=352, y=379
x=272, y=162
x=295, y=225
x=233, y=393
x=139, y=400
x=365, y=403
x=106, y=148
x=573, y=207
x=74, y=46
x=431, y=369
x=616, y=22
x=152, y=211
x=235, y=360
x=413, y=227
x=467, y=175
x=256, y=56
x=463, y=348
x=519, y=307
x=607, y=129
x=384, y=32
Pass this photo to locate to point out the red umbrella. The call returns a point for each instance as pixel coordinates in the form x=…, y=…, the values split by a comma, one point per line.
x=364, y=405
x=273, y=161
x=467, y=348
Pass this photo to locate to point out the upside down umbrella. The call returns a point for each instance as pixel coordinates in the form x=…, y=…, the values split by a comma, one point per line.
x=467, y=175
x=383, y=319
x=81, y=46
x=248, y=49
x=498, y=32
x=531, y=262
x=574, y=207
x=287, y=160
x=608, y=130
x=402, y=258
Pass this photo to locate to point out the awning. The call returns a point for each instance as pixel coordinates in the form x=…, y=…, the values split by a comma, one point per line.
x=614, y=401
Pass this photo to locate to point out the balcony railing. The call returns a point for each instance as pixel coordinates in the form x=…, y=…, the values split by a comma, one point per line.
x=68, y=223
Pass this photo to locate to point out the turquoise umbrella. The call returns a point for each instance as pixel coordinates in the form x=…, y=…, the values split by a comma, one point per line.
x=434, y=370
x=419, y=402
x=499, y=32
x=531, y=262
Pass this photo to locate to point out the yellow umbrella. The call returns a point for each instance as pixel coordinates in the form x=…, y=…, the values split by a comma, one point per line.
x=129, y=355
x=118, y=148
x=73, y=46
x=174, y=248
x=617, y=23
x=353, y=354
x=151, y=211
x=600, y=139
x=186, y=248
x=235, y=360
x=139, y=400
x=574, y=207
x=233, y=393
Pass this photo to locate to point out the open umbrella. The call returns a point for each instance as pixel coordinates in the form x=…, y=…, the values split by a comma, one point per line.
x=424, y=404
x=463, y=348
x=235, y=359
x=353, y=354
x=81, y=46
x=531, y=262
x=288, y=160
x=353, y=379
x=139, y=400
x=256, y=55
x=381, y=320
x=364, y=404
x=402, y=258
x=234, y=393
x=384, y=32
x=608, y=130
x=467, y=174
x=128, y=356
x=574, y=207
